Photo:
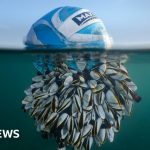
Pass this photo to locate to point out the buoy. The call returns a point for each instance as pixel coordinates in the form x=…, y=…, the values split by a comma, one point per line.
x=79, y=97
x=68, y=27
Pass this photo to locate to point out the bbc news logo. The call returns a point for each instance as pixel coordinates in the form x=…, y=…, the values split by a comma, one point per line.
x=83, y=18
x=9, y=134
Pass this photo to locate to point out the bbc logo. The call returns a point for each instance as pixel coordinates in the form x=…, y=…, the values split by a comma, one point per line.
x=9, y=134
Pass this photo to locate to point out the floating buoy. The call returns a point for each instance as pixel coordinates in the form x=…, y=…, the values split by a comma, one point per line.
x=68, y=27
x=77, y=98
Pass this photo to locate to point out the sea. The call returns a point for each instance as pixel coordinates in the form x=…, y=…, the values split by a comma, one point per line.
x=16, y=72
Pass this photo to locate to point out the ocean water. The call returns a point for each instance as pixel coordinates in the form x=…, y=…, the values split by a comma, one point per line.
x=16, y=72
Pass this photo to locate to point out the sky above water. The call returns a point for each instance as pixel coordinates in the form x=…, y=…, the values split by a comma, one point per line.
x=127, y=21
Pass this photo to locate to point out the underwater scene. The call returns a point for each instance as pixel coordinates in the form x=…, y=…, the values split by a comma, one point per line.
x=88, y=99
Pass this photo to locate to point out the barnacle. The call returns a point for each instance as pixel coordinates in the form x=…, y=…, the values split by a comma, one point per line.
x=81, y=99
